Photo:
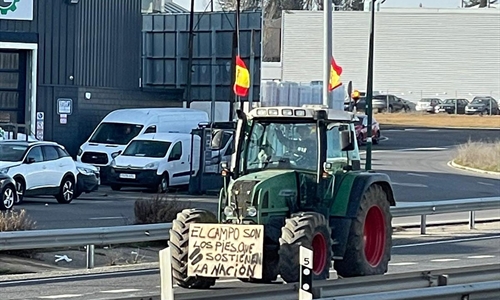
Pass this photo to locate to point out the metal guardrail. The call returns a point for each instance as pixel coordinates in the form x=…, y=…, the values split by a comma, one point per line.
x=423, y=209
x=103, y=236
x=433, y=284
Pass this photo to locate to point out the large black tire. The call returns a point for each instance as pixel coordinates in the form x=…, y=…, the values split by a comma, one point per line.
x=179, y=245
x=311, y=230
x=373, y=223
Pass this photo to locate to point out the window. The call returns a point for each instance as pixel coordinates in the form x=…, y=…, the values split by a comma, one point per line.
x=12, y=152
x=115, y=133
x=50, y=153
x=176, y=152
x=273, y=145
x=147, y=149
x=35, y=154
x=62, y=152
x=151, y=129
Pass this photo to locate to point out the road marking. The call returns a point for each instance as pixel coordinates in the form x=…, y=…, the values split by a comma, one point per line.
x=419, y=175
x=444, y=259
x=448, y=242
x=106, y=218
x=481, y=256
x=120, y=291
x=424, y=149
x=402, y=264
x=484, y=183
x=409, y=184
x=61, y=296
x=433, y=130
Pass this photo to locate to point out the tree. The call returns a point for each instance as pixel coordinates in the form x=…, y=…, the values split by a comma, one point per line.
x=481, y=3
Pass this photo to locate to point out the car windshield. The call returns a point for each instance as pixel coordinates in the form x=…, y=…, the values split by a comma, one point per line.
x=449, y=101
x=115, y=133
x=275, y=145
x=12, y=152
x=147, y=149
x=481, y=101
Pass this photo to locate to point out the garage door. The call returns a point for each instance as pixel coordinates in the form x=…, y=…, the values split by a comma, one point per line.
x=12, y=86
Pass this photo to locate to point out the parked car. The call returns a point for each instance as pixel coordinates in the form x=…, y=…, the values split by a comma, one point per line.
x=450, y=105
x=39, y=168
x=361, y=127
x=387, y=103
x=8, y=192
x=482, y=105
x=427, y=104
x=88, y=179
x=156, y=161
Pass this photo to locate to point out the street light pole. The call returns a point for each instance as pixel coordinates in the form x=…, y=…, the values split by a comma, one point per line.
x=369, y=89
x=327, y=47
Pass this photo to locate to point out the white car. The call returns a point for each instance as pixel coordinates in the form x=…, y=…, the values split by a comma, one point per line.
x=39, y=168
x=156, y=161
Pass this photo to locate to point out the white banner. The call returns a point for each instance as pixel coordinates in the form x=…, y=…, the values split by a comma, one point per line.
x=16, y=10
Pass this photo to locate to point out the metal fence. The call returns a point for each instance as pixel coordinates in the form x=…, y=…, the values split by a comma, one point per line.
x=103, y=236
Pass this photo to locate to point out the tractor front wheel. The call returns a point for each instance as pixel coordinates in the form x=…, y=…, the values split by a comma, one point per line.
x=368, y=250
x=312, y=231
x=179, y=245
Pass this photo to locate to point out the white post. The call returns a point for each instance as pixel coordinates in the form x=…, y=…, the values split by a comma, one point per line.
x=166, y=284
x=327, y=48
x=306, y=276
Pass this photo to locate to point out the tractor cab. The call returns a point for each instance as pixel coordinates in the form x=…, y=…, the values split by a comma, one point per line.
x=285, y=160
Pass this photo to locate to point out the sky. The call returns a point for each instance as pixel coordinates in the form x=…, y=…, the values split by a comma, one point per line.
x=201, y=4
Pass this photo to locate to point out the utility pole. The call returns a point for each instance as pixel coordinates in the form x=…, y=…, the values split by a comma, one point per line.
x=327, y=47
x=190, y=56
x=369, y=89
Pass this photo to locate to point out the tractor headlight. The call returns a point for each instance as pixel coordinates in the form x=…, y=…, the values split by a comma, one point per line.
x=251, y=211
x=228, y=211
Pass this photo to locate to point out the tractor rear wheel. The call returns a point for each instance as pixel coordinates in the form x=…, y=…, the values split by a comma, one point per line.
x=179, y=245
x=368, y=250
x=311, y=230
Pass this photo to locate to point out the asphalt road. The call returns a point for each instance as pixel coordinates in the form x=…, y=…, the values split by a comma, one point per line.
x=416, y=160
x=411, y=252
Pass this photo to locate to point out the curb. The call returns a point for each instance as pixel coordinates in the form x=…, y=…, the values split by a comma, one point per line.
x=452, y=164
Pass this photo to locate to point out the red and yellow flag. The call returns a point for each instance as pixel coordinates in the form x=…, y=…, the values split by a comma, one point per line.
x=242, y=81
x=335, y=72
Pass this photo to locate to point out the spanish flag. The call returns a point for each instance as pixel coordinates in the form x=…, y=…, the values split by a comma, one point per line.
x=335, y=72
x=242, y=81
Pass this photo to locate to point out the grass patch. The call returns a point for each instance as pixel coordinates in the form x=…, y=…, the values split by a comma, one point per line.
x=16, y=221
x=438, y=120
x=479, y=155
x=162, y=208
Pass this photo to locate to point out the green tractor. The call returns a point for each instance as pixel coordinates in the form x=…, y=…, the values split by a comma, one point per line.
x=297, y=172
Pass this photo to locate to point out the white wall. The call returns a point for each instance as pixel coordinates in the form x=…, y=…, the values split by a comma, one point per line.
x=418, y=52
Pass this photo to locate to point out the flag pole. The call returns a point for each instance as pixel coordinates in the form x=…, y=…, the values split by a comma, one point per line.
x=327, y=47
x=238, y=3
x=369, y=89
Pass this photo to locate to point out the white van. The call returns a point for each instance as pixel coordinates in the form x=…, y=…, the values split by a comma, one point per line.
x=156, y=161
x=119, y=127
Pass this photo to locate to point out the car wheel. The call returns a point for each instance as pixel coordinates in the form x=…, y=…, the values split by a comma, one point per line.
x=163, y=185
x=8, y=197
x=20, y=190
x=66, y=191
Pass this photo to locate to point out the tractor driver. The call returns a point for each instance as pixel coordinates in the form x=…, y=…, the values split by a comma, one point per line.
x=304, y=147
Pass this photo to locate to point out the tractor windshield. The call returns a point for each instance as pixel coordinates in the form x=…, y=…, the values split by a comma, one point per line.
x=275, y=145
